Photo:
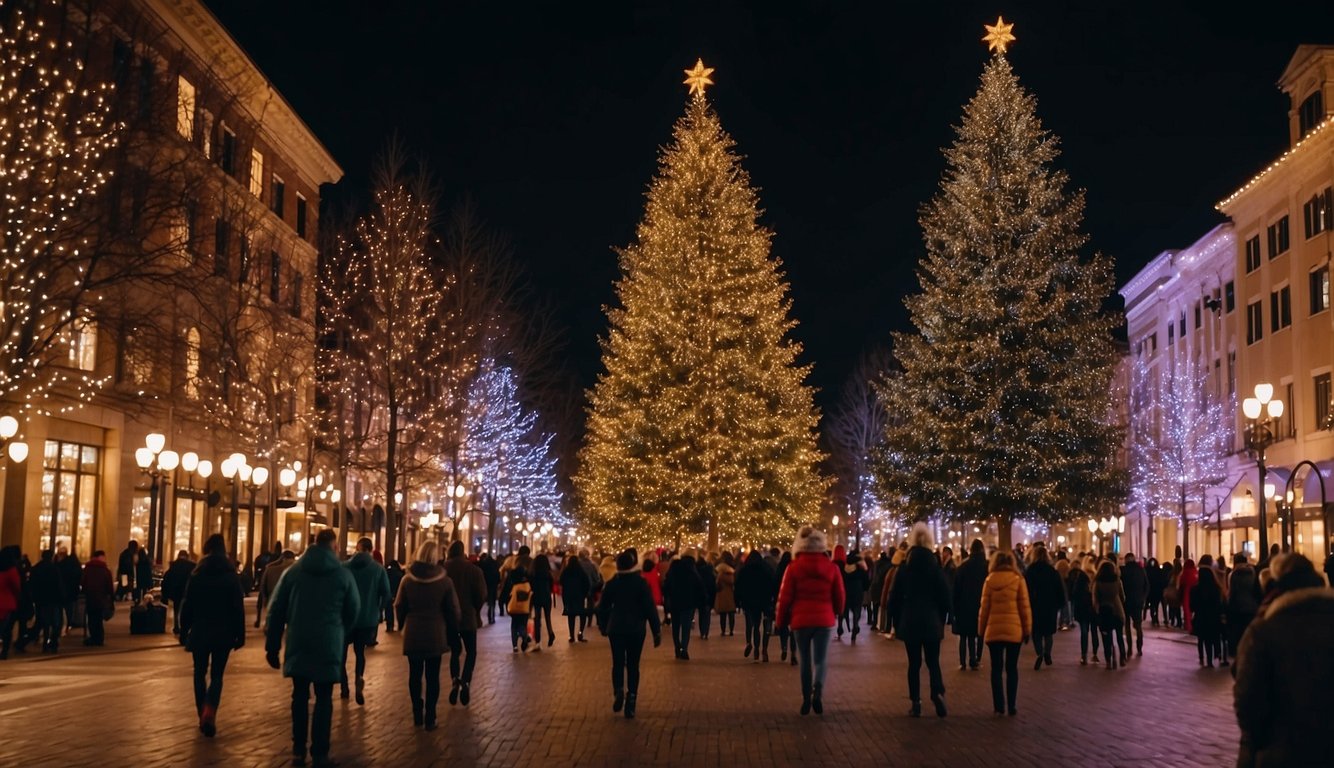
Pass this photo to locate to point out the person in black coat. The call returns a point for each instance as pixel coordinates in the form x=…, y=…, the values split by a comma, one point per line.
x=212, y=625
x=542, y=580
x=684, y=593
x=574, y=591
x=1046, y=596
x=878, y=574
x=48, y=596
x=856, y=580
x=395, y=573
x=1206, y=607
x=626, y=605
x=1136, y=584
x=71, y=573
x=709, y=579
x=919, y=598
x=173, y=586
x=1157, y=579
x=755, y=598
x=491, y=573
x=967, y=601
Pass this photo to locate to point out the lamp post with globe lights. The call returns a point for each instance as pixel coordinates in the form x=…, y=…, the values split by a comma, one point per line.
x=254, y=478
x=16, y=449
x=231, y=467
x=1263, y=411
x=158, y=464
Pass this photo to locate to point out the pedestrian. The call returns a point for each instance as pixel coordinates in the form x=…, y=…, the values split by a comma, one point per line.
x=517, y=597
x=840, y=559
x=1063, y=570
x=683, y=593
x=99, y=597
x=127, y=566
x=754, y=591
x=1206, y=621
x=173, y=587
x=1157, y=578
x=373, y=595
x=1109, y=605
x=895, y=563
x=724, y=599
x=967, y=601
x=1005, y=619
x=315, y=606
x=595, y=583
x=143, y=574
x=1243, y=600
x=809, y=602
x=491, y=575
x=918, y=601
x=607, y=568
x=1046, y=595
x=272, y=574
x=212, y=625
x=71, y=573
x=623, y=612
x=1136, y=584
x=542, y=582
x=709, y=579
x=11, y=590
x=856, y=580
x=1283, y=668
x=787, y=643
x=1190, y=576
x=1080, y=588
x=48, y=597
x=470, y=590
x=428, y=609
x=878, y=575
x=575, y=588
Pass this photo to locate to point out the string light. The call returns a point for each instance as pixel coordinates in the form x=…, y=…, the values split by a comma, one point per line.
x=1316, y=131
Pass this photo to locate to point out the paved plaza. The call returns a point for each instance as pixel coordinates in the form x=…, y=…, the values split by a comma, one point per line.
x=131, y=704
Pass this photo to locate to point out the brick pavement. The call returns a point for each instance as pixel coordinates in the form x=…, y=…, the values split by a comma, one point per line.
x=132, y=704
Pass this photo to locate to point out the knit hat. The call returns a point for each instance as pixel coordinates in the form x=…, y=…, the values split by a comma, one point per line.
x=810, y=540
x=626, y=561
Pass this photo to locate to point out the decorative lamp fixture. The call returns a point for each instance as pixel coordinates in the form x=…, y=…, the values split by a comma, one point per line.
x=1121, y=524
x=1264, y=392
x=336, y=496
x=286, y=477
x=229, y=467
x=259, y=476
x=168, y=460
x=143, y=457
x=1093, y=525
x=1251, y=408
x=189, y=461
x=9, y=426
x=18, y=451
x=155, y=441
x=244, y=472
x=205, y=468
x=1270, y=491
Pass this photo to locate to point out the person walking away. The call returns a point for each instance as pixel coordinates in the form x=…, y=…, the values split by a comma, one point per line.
x=428, y=609
x=708, y=578
x=1109, y=600
x=542, y=583
x=856, y=581
x=684, y=591
x=623, y=612
x=315, y=606
x=491, y=576
x=1046, y=595
x=595, y=582
x=809, y=602
x=724, y=599
x=787, y=643
x=1206, y=606
x=373, y=595
x=967, y=601
x=1136, y=584
x=878, y=575
x=126, y=568
x=99, y=596
x=173, y=588
x=1283, y=668
x=1157, y=579
x=48, y=596
x=71, y=573
x=470, y=591
x=272, y=574
x=1243, y=600
x=1063, y=570
x=11, y=590
x=918, y=601
x=840, y=558
x=1190, y=576
x=1080, y=587
x=1005, y=619
x=518, y=600
x=212, y=625
x=143, y=574
x=895, y=563
x=754, y=590
x=574, y=591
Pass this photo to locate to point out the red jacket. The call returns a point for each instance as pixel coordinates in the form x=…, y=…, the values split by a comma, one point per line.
x=98, y=589
x=812, y=593
x=654, y=580
x=10, y=589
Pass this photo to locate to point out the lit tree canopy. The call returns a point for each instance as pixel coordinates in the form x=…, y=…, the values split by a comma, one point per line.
x=1003, y=405
x=701, y=421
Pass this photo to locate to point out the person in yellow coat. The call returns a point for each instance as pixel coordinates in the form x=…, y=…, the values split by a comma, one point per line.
x=1005, y=622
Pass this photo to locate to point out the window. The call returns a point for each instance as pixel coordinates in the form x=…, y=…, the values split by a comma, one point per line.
x=1317, y=213
x=222, y=237
x=1231, y=373
x=300, y=216
x=1171, y=333
x=185, y=109
x=1322, y=401
x=83, y=345
x=69, y=496
x=192, y=363
x=297, y=281
x=227, y=151
x=1153, y=344
x=1278, y=237
x=1255, y=329
x=1182, y=322
x=1309, y=114
x=135, y=366
x=1198, y=316
x=1229, y=297
x=1253, y=254
x=1280, y=309
x=275, y=276
x=1320, y=290
x=256, y=173
x=278, y=191
x=146, y=77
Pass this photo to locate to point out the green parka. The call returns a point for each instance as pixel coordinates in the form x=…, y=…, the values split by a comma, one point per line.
x=372, y=587
x=316, y=603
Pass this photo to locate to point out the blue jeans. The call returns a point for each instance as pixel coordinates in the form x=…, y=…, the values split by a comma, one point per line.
x=812, y=648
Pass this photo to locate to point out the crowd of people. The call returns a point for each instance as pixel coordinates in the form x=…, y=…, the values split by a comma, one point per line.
x=319, y=611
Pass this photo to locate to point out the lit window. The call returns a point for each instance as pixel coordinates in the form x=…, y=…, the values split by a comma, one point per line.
x=1320, y=290
x=256, y=173
x=185, y=109
x=83, y=346
x=192, y=363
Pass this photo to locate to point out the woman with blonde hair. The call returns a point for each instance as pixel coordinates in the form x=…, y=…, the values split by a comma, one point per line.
x=1005, y=622
x=428, y=611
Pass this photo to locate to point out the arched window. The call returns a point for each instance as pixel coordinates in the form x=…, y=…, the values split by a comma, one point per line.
x=192, y=363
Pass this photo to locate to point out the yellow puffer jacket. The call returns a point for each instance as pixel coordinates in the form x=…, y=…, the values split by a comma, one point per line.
x=1006, y=616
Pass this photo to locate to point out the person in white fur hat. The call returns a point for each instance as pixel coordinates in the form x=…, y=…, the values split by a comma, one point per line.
x=809, y=602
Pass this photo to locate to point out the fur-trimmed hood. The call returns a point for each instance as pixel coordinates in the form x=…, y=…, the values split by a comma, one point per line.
x=1297, y=598
x=810, y=539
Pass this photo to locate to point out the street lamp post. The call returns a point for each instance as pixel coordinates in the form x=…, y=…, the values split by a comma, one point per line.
x=157, y=464
x=254, y=478
x=1260, y=434
x=231, y=467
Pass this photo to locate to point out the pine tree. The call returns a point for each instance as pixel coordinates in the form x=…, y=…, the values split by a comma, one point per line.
x=701, y=421
x=1004, y=399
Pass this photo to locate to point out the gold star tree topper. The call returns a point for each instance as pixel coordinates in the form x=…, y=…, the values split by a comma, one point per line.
x=698, y=78
x=998, y=37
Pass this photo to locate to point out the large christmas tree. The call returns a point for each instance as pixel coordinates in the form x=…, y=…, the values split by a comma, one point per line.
x=701, y=423
x=1003, y=410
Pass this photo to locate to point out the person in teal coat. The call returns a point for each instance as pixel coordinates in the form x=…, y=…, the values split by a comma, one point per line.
x=315, y=605
x=373, y=589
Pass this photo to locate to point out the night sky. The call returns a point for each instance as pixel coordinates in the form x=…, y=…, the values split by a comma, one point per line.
x=549, y=117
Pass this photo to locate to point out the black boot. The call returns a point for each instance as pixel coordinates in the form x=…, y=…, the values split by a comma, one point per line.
x=817, y=704
x=430, y=719
x=915, y=710
x=417, y=713
x=454, y=692
x=618, y=700
x=939, y=700
x=630, y=706
x=805, y=704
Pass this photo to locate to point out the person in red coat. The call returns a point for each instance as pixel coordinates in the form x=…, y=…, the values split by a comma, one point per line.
x=654, y=579
x=809, y=602
x=99, y=592
x=1190, y=576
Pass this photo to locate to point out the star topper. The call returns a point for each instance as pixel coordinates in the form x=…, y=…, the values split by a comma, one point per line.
x=998, y=37
x=698, y=78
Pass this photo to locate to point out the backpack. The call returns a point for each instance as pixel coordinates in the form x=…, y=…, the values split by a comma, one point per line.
x=519, y=598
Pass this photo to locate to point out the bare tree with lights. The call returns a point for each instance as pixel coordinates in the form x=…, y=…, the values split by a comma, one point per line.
x=856, y=432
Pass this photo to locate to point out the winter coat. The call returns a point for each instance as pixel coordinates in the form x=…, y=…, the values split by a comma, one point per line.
x=682, y=589
x=143, y=572
x=1046, y=596
x=98, y=587
x=1081, y=596
x=71, y=573
x=272, y=573
x=174, y=580
x=1281, y=695
x=427, y=606
x=542, y=585
x=1005, y=615
x=725, y=600
x=1136, y=584
x=607, y=569
x=878, y=575
x=710, y=581
x=1158, y=578
x=315, y=605
x=754, y=585
x=575, y=589
x=125, y=565
x=856, y=580
x=1206, y=602
x=11, y=587
x=47, y=587
x=626, y=604
x=812, y=595
x=651, y=577
x=967, y=594
x=491, y=573
x=1190, y=576
x=919, y=597
x=372, y=589
x=212, y=607
x=1243, y=594
x=469, y=589
x=1109, y=603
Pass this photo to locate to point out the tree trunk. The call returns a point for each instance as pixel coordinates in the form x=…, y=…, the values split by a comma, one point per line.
x=1004, y=532
x=713, y=535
